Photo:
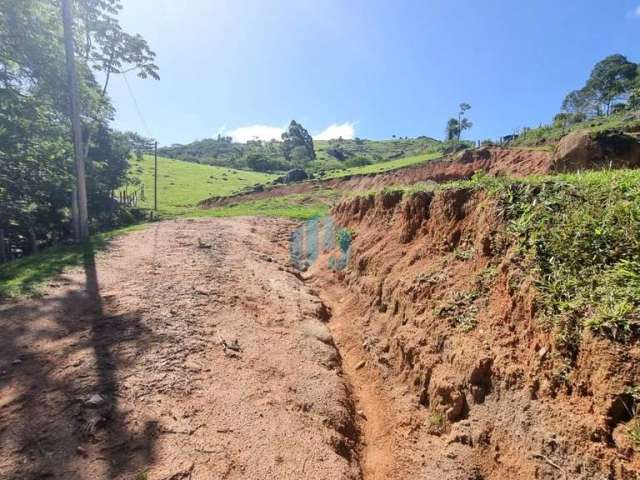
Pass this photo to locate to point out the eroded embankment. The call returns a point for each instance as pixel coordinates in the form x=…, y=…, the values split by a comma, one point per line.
x=454, y=371
x=493, y=161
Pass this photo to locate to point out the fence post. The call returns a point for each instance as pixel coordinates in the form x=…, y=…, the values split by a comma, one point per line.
x=34, y=240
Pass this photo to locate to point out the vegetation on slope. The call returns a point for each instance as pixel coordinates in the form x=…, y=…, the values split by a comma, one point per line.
x=383, y=166
x=270, y=156
x=580, y=233
x=584, y=233
x=341, y=154
x=181, y=185
x=298, y=207
x=552, y=133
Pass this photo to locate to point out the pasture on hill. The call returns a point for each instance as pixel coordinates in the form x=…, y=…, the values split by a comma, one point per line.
x=331, y=155
x=181, y=185
x=384, y=166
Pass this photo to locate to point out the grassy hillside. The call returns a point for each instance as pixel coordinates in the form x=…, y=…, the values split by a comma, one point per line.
x=181, y=185
x=296, y=206
x=331, y=154
x=383, y=166
x=375, y=151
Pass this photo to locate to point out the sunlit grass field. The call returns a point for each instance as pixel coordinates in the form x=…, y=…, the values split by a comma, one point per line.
x=384, y=166
x=181, y=185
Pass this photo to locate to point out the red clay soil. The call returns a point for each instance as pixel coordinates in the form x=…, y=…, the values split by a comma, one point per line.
x=436, y=321
x=493, y=161
x=188, y=350
x=192, y=350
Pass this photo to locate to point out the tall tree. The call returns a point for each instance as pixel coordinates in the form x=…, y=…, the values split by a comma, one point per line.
x=452, y=132
x=579, y=101
x=610, y=79
x=463, y=122
x=297, y=140
x=455, y=126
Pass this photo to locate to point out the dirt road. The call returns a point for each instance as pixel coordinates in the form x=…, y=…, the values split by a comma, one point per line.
x=189, y=350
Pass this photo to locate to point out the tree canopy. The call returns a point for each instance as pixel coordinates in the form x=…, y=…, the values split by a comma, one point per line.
x=455, y=126
x=298, y=144
x=36, y=178
x=613, y=79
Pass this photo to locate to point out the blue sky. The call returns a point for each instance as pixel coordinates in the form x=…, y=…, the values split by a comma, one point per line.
x=369, y=68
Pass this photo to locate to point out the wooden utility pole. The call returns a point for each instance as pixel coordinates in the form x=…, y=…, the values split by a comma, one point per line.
x=82, y=220
x=155, y=176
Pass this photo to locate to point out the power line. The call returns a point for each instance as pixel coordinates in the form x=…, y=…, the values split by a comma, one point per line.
x=155, y=144
x=137, y=107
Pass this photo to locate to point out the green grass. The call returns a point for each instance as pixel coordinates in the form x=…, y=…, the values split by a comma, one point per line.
x=26, y=275
x=583, y=232
x=181, y=185
x=299, y=207
x=384, y=166
x=375, y=151
x=436, y=421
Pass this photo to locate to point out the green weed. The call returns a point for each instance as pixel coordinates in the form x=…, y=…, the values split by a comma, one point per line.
x=461, y=311
x=633, y=431
x=343, y=238
x=462, y=254
x=436, y=421
x=432, y=277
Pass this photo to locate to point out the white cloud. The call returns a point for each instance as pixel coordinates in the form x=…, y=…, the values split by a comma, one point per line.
x=345, y=130
x=252, y=132
x=267, y=132
x=636, y=12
